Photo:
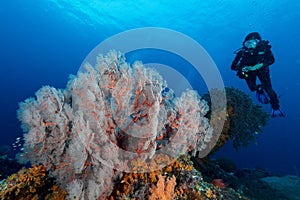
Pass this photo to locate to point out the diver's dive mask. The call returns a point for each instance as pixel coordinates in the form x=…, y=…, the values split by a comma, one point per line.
x=251, y=44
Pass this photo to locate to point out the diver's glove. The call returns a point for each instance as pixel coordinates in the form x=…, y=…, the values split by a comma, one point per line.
x=277, y=113
x=261, y=96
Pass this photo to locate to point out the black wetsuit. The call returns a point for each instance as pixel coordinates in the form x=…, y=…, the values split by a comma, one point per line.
x=250, y=57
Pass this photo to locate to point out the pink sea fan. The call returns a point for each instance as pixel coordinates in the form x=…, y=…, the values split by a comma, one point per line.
x=107, y=115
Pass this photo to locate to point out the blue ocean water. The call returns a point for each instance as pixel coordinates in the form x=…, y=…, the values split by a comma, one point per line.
x=42, y=42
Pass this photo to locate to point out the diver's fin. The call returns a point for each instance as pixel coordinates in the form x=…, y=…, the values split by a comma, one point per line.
x=262, y=97
x=277, y=113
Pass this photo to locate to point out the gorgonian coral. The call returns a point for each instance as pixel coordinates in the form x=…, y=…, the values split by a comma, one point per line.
x=109, y=115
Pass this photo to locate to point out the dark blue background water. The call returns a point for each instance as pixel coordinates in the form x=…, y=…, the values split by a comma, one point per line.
x=42, y=42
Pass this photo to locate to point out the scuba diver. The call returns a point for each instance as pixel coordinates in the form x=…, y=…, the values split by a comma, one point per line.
x=253, y=60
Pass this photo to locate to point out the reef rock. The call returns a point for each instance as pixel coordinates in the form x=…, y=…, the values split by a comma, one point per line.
x=289, y=186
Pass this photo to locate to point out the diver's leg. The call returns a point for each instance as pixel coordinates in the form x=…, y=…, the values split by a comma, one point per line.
x=264, y=77
x=251, y=81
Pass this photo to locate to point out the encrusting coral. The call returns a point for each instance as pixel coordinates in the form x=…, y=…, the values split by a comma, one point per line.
x=108, y=116
x=32, y=184
x=185, y=183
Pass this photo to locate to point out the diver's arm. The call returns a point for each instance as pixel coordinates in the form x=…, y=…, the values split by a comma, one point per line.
x=268, y=57
x=255, y=67
x=267, y=61
x=235, y=62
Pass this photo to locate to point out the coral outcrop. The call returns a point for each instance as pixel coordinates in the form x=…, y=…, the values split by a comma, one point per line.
x=109, y=115
x=244, y=118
